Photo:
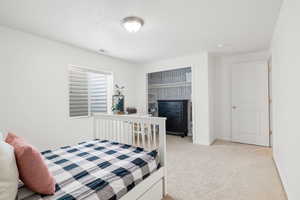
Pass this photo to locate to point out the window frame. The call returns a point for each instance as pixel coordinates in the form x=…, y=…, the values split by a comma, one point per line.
x=110, y=84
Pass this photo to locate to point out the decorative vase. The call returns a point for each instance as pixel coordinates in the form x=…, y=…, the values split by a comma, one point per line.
x=118, y=104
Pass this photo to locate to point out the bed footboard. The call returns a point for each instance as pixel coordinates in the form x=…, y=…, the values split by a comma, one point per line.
x=142, y=131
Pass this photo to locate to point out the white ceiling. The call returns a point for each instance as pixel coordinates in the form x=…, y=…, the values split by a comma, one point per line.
x=172, y=27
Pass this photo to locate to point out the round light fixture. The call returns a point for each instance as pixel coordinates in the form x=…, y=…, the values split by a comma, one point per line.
x=132, y=24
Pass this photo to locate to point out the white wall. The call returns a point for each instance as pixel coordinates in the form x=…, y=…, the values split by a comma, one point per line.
x=222, y=104
x=286, y=96
x=199, y=65
x=222, y=94
x=34, y=87
x=212, y=61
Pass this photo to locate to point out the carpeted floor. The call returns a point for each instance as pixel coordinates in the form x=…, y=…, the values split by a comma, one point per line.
x=223, y=171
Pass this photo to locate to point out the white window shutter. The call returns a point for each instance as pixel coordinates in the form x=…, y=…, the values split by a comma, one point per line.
x=98, y=92
x=78, y=93
x=87, y=92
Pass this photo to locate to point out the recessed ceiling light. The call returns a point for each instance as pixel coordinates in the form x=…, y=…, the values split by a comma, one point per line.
x=132, y=24
x=220, y=45
x=103, y=52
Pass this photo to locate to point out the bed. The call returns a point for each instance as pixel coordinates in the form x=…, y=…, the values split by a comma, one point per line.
x=107, y=167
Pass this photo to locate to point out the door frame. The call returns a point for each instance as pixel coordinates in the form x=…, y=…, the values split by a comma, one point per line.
x=192, y=96
x=270, y=90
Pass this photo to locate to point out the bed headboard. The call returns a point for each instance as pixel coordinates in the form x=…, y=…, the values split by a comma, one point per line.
x=142, y=131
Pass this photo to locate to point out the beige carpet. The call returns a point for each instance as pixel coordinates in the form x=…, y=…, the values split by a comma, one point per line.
x=223, y=171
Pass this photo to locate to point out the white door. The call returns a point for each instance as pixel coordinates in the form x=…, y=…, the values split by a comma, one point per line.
x=250, y=109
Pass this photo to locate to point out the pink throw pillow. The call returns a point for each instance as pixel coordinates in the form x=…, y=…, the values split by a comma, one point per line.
x=33, y=171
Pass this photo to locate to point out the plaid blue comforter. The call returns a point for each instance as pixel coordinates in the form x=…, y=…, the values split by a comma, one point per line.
x=96, y=169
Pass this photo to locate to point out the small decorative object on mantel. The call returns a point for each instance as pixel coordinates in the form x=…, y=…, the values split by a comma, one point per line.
x=131, y=110
x=118, y=100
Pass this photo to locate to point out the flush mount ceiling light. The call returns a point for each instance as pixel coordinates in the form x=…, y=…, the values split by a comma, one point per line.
x=132, y=24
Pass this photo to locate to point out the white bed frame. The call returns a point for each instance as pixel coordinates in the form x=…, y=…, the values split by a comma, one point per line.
x=142, y=131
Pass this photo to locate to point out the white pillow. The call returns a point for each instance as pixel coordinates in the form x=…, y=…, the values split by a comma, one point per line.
x=9, y=176
x=1, y=136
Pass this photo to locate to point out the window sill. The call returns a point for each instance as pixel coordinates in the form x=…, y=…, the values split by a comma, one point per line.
x=81, y=117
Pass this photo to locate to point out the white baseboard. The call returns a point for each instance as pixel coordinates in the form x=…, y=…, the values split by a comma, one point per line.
x=213, y=141
x=224, y=139
x=281, y=175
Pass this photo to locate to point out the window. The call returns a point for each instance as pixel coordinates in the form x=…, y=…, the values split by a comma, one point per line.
x=88, y=92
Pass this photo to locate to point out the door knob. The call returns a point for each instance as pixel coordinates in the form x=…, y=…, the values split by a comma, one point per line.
x=233, y=107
